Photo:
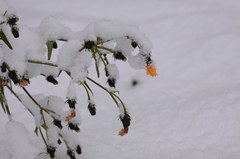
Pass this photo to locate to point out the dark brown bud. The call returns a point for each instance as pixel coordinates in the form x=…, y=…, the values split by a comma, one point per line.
x=4, y=67
x=111, y=82
x=78, y=149
x=51, y=151
x=92, y=108
x=13, y=76
x=58, y=123
x=73, y=126
x=119, y=56
x=55, y=45
x=89, y=44
x=59, y=142
x=126, y=119
x=134, y=44
x=15, y=30
x=51, y=79
x=71, y=154
x=13, y=20
x=71, y=103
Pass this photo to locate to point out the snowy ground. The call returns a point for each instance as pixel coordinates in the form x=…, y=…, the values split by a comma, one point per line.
x=189, y=111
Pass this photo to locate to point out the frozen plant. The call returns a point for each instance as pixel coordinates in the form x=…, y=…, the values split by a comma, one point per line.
x=26, y=53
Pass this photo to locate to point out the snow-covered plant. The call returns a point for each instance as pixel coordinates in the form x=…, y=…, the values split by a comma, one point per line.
x=26, y=53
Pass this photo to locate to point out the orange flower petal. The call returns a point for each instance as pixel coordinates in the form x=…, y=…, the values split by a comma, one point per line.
x=151, y=70
x=72, y=115
x=123, y=132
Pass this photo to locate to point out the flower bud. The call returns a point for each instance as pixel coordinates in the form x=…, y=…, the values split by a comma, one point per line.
x=125, y=119
x=92, y=108
x=73, y=126
x=51, y=151
x=89, y=44
x=55, y=45
x=119, y=56
x=13, y=76
x=78, y=149
x=14, y=31
x=57, y=123
x=71, y=154
x=51, y=79
x=71, y=103
x=134, y=44
x=111, y=82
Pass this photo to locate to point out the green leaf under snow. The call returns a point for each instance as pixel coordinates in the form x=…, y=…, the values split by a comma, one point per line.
x=50, y=48
x=4, y=38
x=36, y=131
x=1, y=101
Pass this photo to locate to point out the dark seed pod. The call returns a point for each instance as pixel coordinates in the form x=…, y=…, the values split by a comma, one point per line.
x=58, y=123
x=71, y=103
x=15, y=30
x=92, y=109
x=59, y=142
x=51, y=151
x=4, y=67
x=126, y=119
x=89, y=44
x=71, y=154
x=119, y=56
x=78, y=149
x=73, y=126
x=134, y=44
x=55, y=45
x=13, y=76
x=111, y=82
x=52, y=80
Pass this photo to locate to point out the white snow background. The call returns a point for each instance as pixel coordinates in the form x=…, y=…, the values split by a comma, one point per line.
x=191, y=110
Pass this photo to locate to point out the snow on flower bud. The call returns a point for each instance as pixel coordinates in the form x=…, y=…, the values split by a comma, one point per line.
x=71, y=103
x=113, y=74
x=12, y=74
x=125, y=119
x=51, y=79
x=92, y=107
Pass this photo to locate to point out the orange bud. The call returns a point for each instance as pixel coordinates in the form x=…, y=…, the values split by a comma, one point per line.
x=123, y=132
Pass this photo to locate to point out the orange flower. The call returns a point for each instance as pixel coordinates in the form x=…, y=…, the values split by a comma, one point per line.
x=151, y=70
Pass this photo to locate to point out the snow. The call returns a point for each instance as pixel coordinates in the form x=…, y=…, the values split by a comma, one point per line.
x=190, y=110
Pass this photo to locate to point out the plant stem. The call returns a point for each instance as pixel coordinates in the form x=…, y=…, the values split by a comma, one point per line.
x=42, y=63
x=105, y=48
x=44, y=140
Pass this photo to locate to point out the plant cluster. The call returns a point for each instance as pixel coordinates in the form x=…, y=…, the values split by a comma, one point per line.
x=24, y=58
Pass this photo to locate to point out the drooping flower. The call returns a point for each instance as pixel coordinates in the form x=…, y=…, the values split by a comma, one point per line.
x=151, y=70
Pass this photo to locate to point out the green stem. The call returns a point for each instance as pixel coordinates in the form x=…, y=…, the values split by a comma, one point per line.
x=88, y=95
x=44, y=140
x=42, y=63
x=103, y=89
x=5, y=102
x=105, y=48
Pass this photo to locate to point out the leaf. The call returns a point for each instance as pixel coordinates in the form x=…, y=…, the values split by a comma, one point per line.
x=4, y=38
x=50, y=48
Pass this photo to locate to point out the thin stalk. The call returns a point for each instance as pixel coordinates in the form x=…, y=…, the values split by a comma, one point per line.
x=5, y=102
x=105, y=48
x=42, y=63
x=44, y=140
x=103, y=89
x=88, y=95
